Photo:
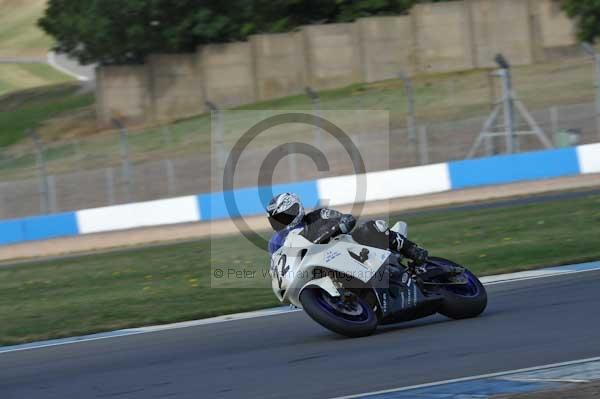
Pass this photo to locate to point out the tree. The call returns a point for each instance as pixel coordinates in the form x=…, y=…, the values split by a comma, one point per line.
x=122, y=32
x=587, y=15
x=126, y=31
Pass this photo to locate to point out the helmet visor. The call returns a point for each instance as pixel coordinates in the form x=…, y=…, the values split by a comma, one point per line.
x=285, y=218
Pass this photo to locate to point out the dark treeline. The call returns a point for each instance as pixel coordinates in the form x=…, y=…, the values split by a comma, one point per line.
x=124, y=32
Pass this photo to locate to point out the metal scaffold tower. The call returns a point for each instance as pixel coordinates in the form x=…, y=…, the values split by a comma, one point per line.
x=506, y=108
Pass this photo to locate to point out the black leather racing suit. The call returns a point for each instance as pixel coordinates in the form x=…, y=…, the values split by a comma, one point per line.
x=324, y=223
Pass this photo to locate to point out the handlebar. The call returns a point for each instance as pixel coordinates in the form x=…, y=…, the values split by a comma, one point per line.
x=334, y=230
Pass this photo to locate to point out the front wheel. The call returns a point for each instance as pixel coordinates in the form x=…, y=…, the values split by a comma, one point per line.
x=465, y=300
x=350, y=316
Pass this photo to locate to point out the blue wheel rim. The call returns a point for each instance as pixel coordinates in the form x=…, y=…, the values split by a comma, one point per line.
x=326, y=305
x=468, y=290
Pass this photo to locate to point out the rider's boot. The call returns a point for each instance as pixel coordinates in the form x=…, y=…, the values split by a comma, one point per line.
x=407, y=248
x=418, y=255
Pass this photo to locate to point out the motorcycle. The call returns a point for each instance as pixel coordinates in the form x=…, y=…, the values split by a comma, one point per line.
x=350, y=288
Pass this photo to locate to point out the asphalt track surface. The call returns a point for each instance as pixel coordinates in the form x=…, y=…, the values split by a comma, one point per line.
x=528, y=323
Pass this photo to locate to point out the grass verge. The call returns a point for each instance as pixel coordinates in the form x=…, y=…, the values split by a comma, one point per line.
x=76, y=142
x=92, y=293
x=19, y=33
x=14, y=77
x=31, y=108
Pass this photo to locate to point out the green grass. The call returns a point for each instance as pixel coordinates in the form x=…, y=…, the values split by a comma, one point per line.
x=19, y=33
x=92, y=293
x=29, y=109
x=441, y=97
x=14, y=77
x=20, y=37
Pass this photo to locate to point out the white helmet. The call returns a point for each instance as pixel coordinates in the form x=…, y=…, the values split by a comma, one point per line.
x=285, y=211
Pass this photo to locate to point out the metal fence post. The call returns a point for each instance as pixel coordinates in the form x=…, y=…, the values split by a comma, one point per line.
x=316, y=102
x=219, y=140
x=423, y=145
x=52, y=200
x=125, y=163
x=363, y=127
x=293, y=169
x=411, y=119
x=588, y=48
x=110, y=185
x=40, y=162
x=169, y=166
x=555, y=125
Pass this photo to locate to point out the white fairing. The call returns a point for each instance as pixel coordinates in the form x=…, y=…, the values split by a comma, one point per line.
x=293, y=264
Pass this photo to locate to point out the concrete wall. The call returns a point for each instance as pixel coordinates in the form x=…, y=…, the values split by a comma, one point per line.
x=388, y=46
x=279, y=65
x=556, y=28
x=438, y=37
x=228, y=73
x=443, y=37
x=333, y=55
x=500, y=27
x=122, y=92
x=176, y=86
x=553, y=33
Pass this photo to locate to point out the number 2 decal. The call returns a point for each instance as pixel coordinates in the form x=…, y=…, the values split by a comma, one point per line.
x=284, y=269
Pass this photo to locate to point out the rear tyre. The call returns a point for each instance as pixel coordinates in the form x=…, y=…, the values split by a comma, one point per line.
x=463, y=301
x=352, y=320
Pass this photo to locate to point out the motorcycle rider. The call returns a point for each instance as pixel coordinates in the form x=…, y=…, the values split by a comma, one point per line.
x=286, y=213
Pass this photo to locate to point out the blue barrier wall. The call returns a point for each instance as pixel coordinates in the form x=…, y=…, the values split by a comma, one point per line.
x=513, y=168
x=11, y=231
x=38, y=228
x=252, y=201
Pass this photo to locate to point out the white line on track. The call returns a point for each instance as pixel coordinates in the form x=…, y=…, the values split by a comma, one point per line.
x=567, y=380
x=541, y=273
x=489, y=280
x=473, y=378
x=148, y=329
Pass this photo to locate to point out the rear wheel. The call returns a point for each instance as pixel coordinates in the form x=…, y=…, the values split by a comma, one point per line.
x=463, y=301
x=350, y=315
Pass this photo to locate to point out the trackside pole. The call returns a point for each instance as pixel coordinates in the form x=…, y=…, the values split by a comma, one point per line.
x=316, y=102
x=125, y=163
x=508, y=106
x=42, y=172
x=219, y=141
x=589, y=49
x=411, y=119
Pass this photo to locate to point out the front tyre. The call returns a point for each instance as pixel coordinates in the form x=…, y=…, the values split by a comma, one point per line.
x=463, y=301
x=351, y=317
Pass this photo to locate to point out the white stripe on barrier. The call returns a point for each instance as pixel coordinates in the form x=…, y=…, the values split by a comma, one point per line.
x=386, y=184
x=127, y=216
x=589, y=158
x=332, y=191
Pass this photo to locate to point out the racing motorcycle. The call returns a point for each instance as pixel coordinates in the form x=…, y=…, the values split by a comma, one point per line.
x=351, y=288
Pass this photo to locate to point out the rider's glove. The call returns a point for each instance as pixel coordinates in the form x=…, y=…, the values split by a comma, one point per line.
x=327, y=233
x=347, y=223
x=421, y=256
x=415, y=253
